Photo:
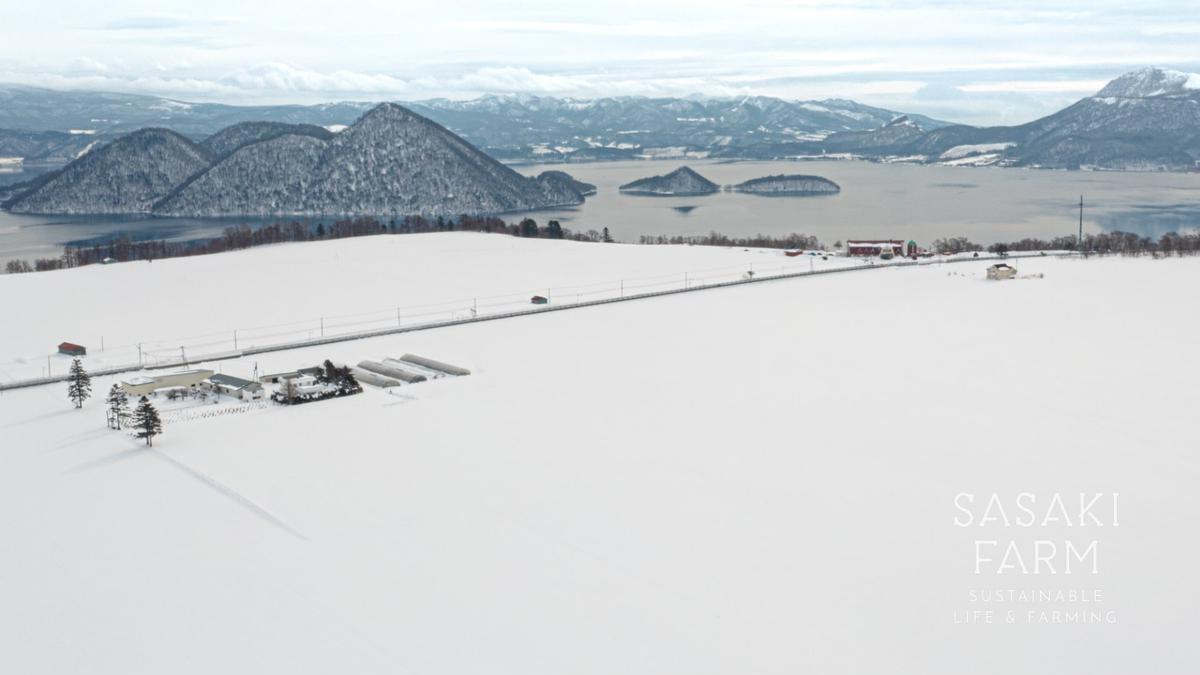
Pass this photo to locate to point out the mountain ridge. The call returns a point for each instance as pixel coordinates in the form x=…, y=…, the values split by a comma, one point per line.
x=390, y=161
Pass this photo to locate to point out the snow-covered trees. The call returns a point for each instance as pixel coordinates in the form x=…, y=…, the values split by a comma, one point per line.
x=955, y=245
x=17, y=267
x=118, y=407
x=79, y=384
x=146, y=421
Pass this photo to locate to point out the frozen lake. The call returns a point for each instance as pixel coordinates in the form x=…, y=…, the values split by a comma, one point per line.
x=877, y=200
x=888, y=200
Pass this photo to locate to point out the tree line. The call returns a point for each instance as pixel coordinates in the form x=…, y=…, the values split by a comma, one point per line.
x=125, y=249
x=791, y=241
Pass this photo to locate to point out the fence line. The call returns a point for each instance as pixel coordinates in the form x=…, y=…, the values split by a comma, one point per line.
x=689, y=284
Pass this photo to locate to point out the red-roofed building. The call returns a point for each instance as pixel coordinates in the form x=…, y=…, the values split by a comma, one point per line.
x=72, y=349
x=873, y=247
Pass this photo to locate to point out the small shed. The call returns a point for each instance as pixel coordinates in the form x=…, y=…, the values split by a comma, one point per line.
x=72, y=349
x=539, y=300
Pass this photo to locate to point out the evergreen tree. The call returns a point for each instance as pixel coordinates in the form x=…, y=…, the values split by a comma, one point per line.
x=347, y=381
x=606, y=237
x=527, y=228
x=554, y=230
x=79, y=384
x=320, y=230
x=146, y=421
x=118, y=406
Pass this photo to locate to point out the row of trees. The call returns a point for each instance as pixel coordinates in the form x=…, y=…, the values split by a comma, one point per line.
x=1109, y=243
x=124, y=249
x=144, y=418
x=793, y=241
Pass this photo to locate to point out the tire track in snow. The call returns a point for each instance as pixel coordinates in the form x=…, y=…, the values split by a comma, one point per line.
x=233, y=494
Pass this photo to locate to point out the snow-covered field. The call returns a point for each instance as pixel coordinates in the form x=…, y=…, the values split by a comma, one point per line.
x=215, y=304
x=751, y=479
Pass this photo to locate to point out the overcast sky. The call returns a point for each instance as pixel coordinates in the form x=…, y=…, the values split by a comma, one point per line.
x=976, y=62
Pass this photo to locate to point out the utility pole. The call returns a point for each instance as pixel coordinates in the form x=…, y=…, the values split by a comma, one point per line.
x=235, y=339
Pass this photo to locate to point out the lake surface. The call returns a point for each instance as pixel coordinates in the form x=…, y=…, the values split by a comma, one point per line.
x=888, y=201
x=877, y=200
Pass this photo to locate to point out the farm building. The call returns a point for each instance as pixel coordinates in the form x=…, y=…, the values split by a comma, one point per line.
x=430, y=364
x=1001, y=271
x=300, y=386
x=373, y=379
x=72, y=349
x=148, y=384
x=392, y=370
x=236, y=386
x=874, y=247
x=539, y=300
x=277, y=378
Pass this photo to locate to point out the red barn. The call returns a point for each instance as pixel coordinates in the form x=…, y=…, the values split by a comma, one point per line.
x=72, y=349
x=873, y=247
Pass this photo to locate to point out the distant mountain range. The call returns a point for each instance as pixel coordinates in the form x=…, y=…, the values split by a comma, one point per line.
x=389, y=162
x=530, y=128
x=1145, y=120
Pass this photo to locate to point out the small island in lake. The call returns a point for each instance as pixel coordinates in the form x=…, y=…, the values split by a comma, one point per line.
x=784, y=185
x=680, y=182
x=585, y=189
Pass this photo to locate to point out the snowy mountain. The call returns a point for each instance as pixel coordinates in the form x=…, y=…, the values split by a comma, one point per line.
x=48, y=147
x=508, y=127
x=629, y=127
x=895, y=133
x=1151, y=82
x=1145, y=120
x=681, y=181
x=126, y=176
x=231, y=138
x=391, y=161
x=39, y=109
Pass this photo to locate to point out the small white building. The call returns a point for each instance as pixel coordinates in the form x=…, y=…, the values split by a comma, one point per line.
x=229, y=385
x=300, y=386
x=148, y=384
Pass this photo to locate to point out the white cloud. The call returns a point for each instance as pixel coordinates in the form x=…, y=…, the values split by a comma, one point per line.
x=1037, y=86
x=1015, y=55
